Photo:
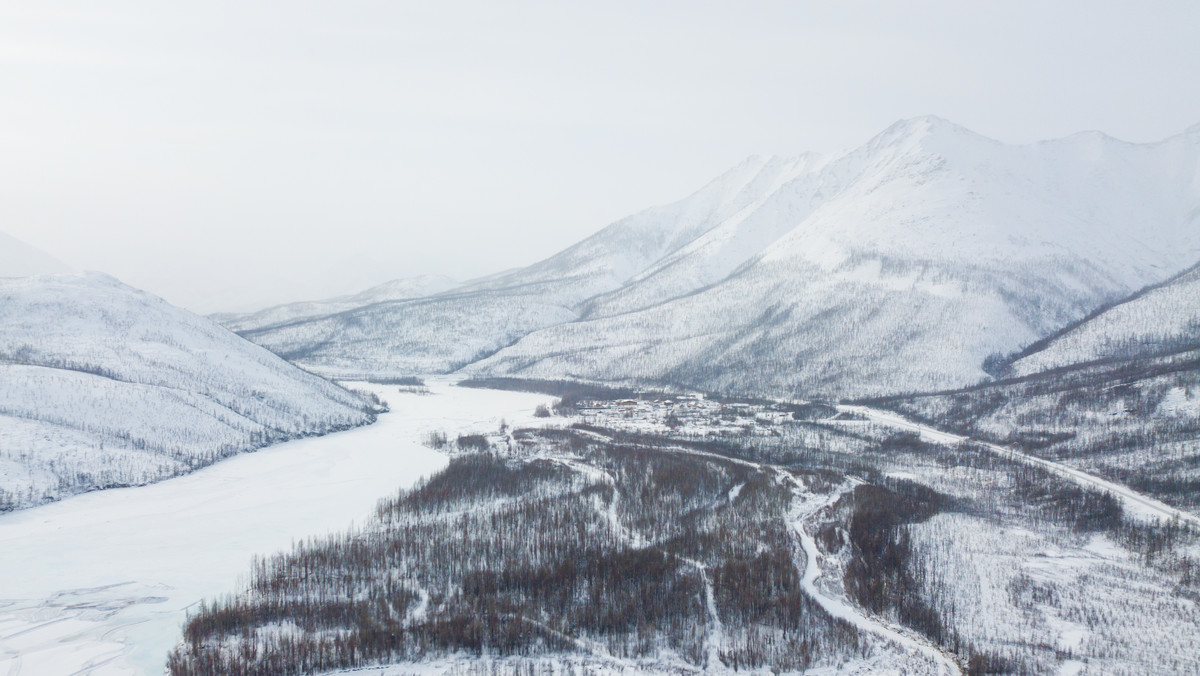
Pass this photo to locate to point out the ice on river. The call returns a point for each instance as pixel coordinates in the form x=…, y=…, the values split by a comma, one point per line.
x=100, y=583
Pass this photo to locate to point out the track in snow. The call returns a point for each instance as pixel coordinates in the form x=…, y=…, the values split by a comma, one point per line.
x=841, y=609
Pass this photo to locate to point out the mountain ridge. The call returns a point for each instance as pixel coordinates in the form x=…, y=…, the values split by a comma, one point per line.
x=926, y=239
x=396, y=289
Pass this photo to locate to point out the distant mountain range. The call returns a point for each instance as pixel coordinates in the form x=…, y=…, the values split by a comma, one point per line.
x=399, y=289
x=901, y=265
x=102, y=385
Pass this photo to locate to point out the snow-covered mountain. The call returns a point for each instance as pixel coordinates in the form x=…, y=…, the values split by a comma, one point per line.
x=18, y=259
x=397, y=289
x=447, y=331
x=1161, y=318
x=103, y=385
x=899, y=266
x=896, y=266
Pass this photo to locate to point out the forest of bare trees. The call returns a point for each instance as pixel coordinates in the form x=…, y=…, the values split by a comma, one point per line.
x=622, y=547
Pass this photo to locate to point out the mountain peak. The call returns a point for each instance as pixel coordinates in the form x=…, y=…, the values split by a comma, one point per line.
x=922, y=134
x=922, y=126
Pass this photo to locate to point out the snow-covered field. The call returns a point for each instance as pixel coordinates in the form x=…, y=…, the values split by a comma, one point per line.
x=101, y=583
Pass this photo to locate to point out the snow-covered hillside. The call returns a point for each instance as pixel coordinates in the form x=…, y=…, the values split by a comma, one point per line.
x=901, y=265
x=103, y=385
x=445, y=332
x=1161, y=318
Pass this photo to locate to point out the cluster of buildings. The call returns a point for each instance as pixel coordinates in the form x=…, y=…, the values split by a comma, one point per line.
x=691, y=414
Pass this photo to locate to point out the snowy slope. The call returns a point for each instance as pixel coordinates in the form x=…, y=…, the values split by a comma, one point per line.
x=630, y=247
x=103, y=385
x=926, y=250
x=447, y=331
x=397, y=289
x=1162, y=317
x=426, y=335
x=18, y=259
x=779, y=193
x=775, y=330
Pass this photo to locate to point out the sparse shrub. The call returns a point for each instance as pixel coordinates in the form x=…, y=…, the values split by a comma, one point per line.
x=472, y=442
x=402, y=381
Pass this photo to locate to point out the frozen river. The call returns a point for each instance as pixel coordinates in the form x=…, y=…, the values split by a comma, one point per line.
x=101, y=583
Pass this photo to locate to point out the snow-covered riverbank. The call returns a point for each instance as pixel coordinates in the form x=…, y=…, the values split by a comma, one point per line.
x=100, y=583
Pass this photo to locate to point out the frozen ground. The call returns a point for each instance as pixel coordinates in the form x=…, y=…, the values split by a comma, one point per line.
x=100, y=583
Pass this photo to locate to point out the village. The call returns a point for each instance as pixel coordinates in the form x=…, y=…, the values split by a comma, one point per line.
x=686, y=414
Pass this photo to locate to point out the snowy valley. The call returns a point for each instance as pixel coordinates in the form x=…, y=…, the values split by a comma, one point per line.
x=930, y=405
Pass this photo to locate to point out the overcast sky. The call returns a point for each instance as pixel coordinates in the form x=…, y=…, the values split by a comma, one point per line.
x=230, y=154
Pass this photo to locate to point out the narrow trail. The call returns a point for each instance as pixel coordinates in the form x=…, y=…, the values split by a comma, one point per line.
x=714, y=639
x=592, y=648
x=1136, y=502
x=802, y=511
x=14, y=668
x=681, y=450
x=715, y=636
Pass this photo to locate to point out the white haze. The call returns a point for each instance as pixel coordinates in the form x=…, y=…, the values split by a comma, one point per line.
x=227, y=155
